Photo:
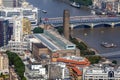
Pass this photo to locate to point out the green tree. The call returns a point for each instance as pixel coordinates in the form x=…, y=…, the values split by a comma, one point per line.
x=60, y=30
x=38, y=30
x=87, y=53
x=114, y=62
x=23, y=78
x=83, y=2
x=94, y=59
x=15, y=60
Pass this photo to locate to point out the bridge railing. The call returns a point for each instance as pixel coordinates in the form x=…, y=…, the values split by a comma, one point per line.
x=83, y=19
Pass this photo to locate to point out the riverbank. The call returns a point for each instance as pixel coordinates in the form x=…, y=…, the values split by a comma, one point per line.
x=83, y=2
x=86, y=7
x=85, y=51
x=92, y=54
x=95, y=37
x=89, y=48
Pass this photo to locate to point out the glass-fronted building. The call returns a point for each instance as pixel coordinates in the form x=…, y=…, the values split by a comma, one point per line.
x=4, y=32
x=10, y=3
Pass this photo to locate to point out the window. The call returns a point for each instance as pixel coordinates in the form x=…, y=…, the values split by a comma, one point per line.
x=10, y=14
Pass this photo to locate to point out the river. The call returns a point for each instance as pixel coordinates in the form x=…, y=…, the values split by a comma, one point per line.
x=55, y=8
x=94, y=36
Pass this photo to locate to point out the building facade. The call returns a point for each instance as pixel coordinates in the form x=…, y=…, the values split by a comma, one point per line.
x=38, y=49
x=107, y=5
x=0, y=2
x=10, y=3
x=18, y=47
x=4, y=32
x=13, y=75
x=26, y=10
x=101, y=73
x=4, y=63
x=17, y=29
x=22, y=27
x=26, y=26
x=17, y=44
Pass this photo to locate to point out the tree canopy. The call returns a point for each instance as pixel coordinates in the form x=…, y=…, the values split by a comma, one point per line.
x=15, y=60
x=38, y=30
x=83, y=2
x=85, y=51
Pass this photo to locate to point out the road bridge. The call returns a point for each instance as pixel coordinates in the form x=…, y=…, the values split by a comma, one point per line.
x=90, y=21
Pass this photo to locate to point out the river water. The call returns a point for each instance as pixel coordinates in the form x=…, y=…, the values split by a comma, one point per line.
x=92, y=37
x=55, y=8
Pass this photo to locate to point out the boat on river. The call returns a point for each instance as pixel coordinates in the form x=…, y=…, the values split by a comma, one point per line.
x=74, y=4
x=108, y=45
x=44, y=11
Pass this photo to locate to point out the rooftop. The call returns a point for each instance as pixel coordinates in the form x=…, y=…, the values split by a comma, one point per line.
x=39, y=45
x=54, y=41
x=46, y=42
x=73, y=60
x=101, y=69
x=61, y=41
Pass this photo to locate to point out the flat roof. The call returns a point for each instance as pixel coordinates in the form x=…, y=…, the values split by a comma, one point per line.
x=54, y=41
x=39, y=45
x=46, y=42
x=57, y=39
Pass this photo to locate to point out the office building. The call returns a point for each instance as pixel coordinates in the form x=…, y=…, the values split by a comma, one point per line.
x=0, y=2
x=18, y=47
x=26, y=26
x=4, y=63
x=35, y=71
x=21, y=27
x=26, y=10
x=101, y=73
x=13, y=74
x=17, y=29
x=17, y=43
x=39, y=50
x=10, y=3
x=4, y=32
x=107, y=5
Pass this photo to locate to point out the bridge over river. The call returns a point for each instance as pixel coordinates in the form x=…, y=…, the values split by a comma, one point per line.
x=90, y=21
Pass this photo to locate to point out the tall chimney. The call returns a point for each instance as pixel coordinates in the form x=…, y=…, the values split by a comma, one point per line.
x=66, y=24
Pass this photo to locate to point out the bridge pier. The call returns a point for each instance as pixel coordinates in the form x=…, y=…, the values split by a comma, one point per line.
x=113, y=24
x=71, y=27
x=92, y=25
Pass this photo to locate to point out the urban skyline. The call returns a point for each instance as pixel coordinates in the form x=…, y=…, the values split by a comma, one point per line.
x=34, y=45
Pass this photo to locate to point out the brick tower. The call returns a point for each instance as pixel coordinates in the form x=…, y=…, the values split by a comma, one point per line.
x=66, y=24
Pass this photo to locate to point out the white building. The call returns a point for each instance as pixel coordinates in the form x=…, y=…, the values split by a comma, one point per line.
x=101, y=73
x=10, y=3
x=35, y=72
x=17, y=43
x=0, y=2
x=108, y=5
x=18, y=47
x=117, y=7
x=26, y=10
x=4, y=63
x=64, y=70
x=17, y=29
x=35, y=66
